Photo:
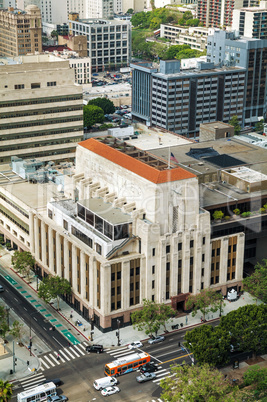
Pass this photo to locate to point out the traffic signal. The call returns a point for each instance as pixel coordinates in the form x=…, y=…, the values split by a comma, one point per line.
x=30, y=344
x=28, y=362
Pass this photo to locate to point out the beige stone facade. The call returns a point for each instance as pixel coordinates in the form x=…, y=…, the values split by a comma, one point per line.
x=41, y=109
x=20, y=31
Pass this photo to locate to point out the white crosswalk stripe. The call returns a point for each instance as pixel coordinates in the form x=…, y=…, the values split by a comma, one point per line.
x=50, y=362
x=54, y=358
x=157, y=380
x=79, y=350
x=32, y=382
x=43, y=363
x=64, y=355
x=68, y=352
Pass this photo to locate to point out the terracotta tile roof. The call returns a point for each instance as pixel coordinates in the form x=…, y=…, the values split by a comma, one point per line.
x=134, y=165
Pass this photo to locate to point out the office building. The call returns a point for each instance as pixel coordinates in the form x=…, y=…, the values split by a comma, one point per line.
x=41, y=109
x=220, y=13
x=132, y=226
x=251, y=54
x=20, y=31
x=100, y=9
x=251, y=22
x=179, y=100
x=108, y=41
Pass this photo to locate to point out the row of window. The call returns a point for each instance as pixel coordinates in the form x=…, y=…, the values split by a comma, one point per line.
x=35, y=101
x=40, y=112
x=39, y=122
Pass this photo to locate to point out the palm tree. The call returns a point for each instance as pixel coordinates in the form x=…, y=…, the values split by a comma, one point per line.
x=5, y=391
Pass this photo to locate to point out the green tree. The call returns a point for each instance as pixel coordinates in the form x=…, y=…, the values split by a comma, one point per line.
x=54, y=34
x=17, y=330
x=247, y=326
x=165, y=314
x=259, y=125
x=256, y=284
x=155, y=23
x=92, y=114
x=3, y=322
x=193, y=22
x=207, y=300
x=197, y=383
x=256, y=377
x=147, y=318
x=209, y=345
x=218, y=214
x=23, y=262
x=105, y=104
x=6, y=391
x=235, y=123
x=52, y=287
x=130, y=11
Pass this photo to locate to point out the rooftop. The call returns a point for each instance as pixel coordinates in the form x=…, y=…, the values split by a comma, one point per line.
x=98, y=21
x=140, y=162
x=247, y=174
x=106, y=211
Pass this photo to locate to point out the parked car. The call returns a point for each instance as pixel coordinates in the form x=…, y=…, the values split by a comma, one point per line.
x=149, y=367
x=156, y=339
x=146, y=377
x=110, y=391
x=95, y=348
x=1, y=288
x=134, y=345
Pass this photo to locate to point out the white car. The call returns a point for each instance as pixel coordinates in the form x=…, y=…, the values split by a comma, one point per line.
x=134, y=345
x=110, y=391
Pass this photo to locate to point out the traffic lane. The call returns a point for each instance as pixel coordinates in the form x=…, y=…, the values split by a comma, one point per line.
x=39, y=324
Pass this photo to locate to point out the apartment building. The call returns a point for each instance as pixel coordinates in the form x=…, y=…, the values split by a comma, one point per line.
x=195, y=37
x=20, y=31
x=129, y=227
x=251, y=22
x=251, y=54
x=100, y=9
x=220, y=13
x=180, y=100
x=108, y=41
x=40, y=109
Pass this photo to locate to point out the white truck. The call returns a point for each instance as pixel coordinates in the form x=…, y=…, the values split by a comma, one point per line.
x=232, y=295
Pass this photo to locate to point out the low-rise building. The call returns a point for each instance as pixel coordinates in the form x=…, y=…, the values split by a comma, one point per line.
x=195, y=37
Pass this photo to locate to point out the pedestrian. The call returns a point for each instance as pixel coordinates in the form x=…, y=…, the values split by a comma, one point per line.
x=58, y=357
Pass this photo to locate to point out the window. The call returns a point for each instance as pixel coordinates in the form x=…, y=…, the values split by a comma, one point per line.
x=233, y=262
x=217, y=265
x=218, y=251
x=168, y=249
x=191, y=243
x=212, y=266
x=153, y=252
x=229, y=263
x=202, y=272
x=65, y=224
x=153, y=269
x=213, y=253
x=51, y=84
x=35, y=85
x=20, y=86
x=203, y=257
x=180, y=246
x=204, y=241
x=153, y=284
x=234, y=248
x=229, y=249
x=191, y=260
x=179, y=263
x=50, y=214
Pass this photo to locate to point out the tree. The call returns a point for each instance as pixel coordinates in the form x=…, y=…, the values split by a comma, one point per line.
x=195, y=383
x=54, y=34
x=259, y=126
x=3, y=322
x=206, y=301
x=130, y=11
x=6, y=391
x=17, y=330
x=256, y=284
x=147, y=318
x=105, y=104
x=247, y=327
x=209, y=345
x=53, y=287
x=91, y=115
x=235, y=122
x=218, y=215
x=256, y=377
x=151, y=317
x=23, y=262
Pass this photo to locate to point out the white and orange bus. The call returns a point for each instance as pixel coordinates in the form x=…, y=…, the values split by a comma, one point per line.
x=126, y=364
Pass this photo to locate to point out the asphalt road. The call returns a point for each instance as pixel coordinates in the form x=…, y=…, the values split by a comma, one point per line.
x=32, y=318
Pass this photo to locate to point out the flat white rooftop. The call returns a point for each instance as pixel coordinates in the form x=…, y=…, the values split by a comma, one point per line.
x=247, y=174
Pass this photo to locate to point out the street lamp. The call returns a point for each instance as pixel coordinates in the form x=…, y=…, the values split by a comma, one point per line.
x=30, y=348
x=118, y=332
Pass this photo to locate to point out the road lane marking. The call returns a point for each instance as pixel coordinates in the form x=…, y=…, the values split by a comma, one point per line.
x=36, y=377
x=79, y=350
x=176, y=358
x=67, y=350
x=161, y=374
x=74, y=351
x=43, y=362
x=57, y=341
x=52, y=364
x=63, y=354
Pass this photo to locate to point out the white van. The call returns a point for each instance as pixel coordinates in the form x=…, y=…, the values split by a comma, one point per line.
x=104, y=382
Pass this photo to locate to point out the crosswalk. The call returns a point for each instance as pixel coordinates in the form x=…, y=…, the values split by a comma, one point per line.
x=53, y=359
x=31, y=382
x=124, y=351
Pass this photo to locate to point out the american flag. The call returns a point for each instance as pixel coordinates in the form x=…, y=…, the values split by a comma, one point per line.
x=172, y=158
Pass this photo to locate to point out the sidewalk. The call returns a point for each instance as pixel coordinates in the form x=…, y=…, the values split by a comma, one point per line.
x=65, y=320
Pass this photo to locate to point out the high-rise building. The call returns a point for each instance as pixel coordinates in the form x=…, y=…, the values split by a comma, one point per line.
x=251, y=54
x=180, y=100
x=100, y=9
x=220, y=13
x=251, y=22
x=108, y=41
x=20, y=31
x=41, y=109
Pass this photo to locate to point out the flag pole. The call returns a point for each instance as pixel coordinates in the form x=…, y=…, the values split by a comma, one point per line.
x=169, y=158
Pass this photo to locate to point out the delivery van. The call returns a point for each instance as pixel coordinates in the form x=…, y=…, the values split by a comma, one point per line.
x=104, y=382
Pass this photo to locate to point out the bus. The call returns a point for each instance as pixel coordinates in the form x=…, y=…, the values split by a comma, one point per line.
x=37, y=394
x=126, y=364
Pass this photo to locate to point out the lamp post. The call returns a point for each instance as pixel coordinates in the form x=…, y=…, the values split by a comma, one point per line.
x=30, y=348
x=118, y=332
